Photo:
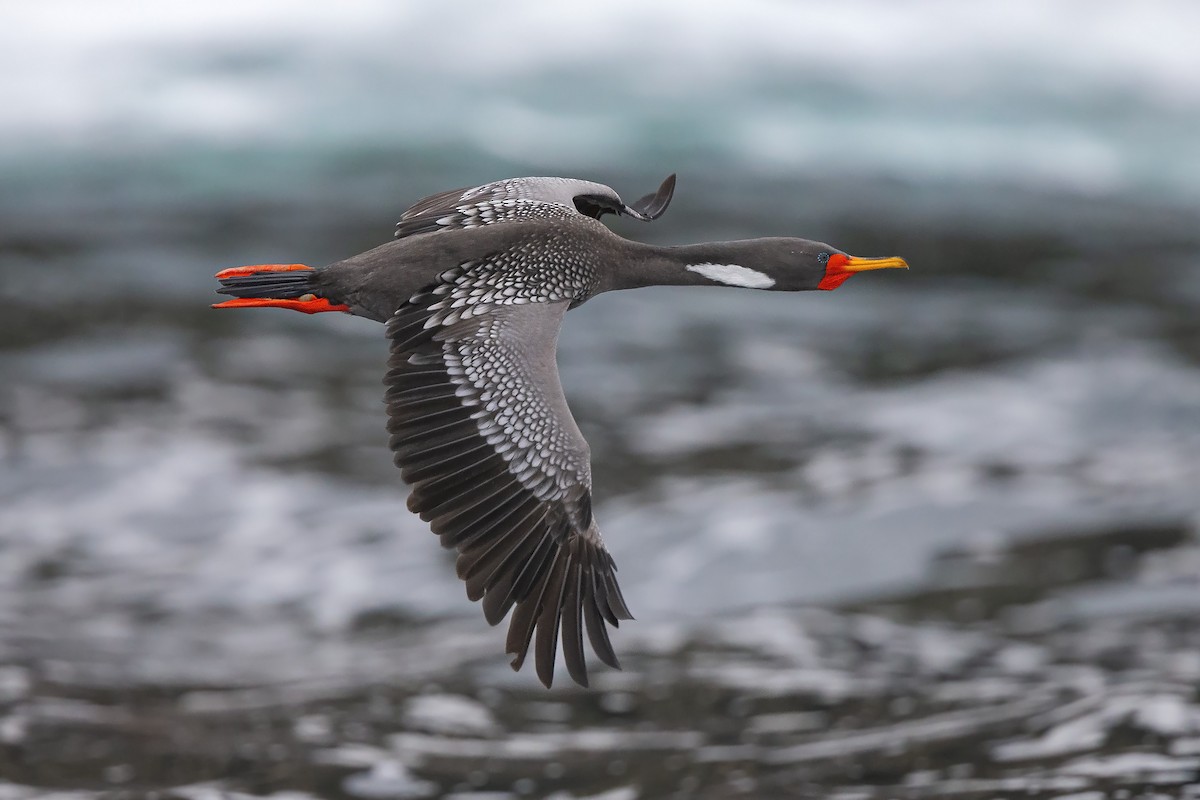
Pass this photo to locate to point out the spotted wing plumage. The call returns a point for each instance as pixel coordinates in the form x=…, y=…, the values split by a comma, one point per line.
x=550, y=190
x=481, y=431
x=475, y=214
x=523, y=199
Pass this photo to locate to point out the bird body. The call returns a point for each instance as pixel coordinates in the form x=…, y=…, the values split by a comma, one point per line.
x=496, y=261
x=473, y=292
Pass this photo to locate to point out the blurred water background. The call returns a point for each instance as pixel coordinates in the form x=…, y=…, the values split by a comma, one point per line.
x=932, y=534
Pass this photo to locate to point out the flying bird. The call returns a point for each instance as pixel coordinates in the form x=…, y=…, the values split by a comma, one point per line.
x=473, y=290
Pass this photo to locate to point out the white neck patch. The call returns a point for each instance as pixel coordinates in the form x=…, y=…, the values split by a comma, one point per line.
x=733, y=275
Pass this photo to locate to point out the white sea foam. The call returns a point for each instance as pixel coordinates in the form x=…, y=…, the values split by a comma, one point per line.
x=449, y=715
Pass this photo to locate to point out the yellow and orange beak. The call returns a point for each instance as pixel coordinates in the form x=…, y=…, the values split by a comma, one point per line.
x=841, y=266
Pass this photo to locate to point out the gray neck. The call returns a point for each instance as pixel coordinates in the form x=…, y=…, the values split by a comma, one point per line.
x=739, y=263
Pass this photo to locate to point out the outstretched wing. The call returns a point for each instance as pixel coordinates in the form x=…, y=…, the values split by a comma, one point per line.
x=482, y=433
x=522, y=199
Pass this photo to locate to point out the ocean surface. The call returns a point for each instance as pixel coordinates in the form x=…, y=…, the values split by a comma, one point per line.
x=932, y=534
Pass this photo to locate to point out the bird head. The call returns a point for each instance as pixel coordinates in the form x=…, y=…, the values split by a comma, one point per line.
x=783, y=264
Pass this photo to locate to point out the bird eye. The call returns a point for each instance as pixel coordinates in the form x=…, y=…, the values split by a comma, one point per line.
x=822, y=258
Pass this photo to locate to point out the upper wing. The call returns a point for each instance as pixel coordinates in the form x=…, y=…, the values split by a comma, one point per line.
x=481, y=431
x=519, y=199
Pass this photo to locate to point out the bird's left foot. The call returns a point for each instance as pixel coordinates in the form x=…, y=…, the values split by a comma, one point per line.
x=307, y=303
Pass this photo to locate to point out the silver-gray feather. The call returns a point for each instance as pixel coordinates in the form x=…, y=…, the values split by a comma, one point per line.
x=482, y=432
x=506, y=370
x=561, y=191
x=524, y=199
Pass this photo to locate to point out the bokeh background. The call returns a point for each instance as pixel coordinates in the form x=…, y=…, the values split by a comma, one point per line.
x=930, y=534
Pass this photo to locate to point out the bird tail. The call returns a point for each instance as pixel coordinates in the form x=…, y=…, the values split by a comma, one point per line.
x=273, y=286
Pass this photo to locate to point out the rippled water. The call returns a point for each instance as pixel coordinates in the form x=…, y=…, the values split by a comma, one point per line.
x=932, y=534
